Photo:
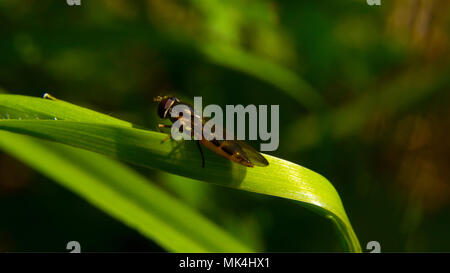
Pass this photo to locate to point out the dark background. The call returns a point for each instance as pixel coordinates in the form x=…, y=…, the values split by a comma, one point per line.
x=374, y=121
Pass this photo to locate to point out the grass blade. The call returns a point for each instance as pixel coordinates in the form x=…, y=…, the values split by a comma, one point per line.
x=142, y=147
x=117, y=189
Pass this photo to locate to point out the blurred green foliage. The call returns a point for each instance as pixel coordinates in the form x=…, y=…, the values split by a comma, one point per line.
x=363, y=94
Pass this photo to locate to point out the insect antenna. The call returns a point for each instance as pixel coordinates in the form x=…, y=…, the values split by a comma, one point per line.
x=157, y=99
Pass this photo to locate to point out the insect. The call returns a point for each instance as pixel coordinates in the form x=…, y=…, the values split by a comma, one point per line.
x=235, y=150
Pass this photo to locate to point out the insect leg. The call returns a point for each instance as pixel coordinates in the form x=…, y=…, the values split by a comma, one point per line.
x=160, y=126
x=201, y=153
x=165, y=139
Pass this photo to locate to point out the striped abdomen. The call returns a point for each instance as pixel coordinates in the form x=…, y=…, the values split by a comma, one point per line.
x=228, y=149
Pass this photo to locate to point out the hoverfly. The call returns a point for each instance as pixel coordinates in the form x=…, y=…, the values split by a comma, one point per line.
x=235, y=150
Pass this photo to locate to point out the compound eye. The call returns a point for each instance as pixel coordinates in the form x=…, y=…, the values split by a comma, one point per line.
x=162, y=108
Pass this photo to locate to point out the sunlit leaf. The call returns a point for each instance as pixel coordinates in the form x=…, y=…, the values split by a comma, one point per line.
x=142, y=147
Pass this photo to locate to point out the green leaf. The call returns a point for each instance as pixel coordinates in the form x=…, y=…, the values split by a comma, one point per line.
x=142, y=147
x=123, y=194
x=114, y=187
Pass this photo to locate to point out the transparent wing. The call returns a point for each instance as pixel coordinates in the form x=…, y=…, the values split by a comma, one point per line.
x=246, y=150
x=253, y=155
